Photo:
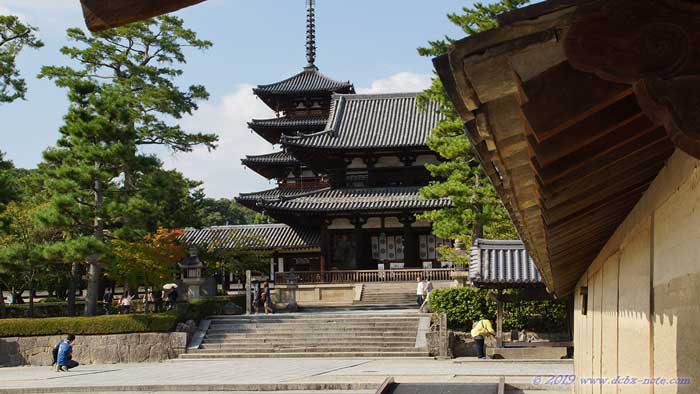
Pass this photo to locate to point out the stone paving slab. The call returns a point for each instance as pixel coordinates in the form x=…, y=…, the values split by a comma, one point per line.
x=258, y=374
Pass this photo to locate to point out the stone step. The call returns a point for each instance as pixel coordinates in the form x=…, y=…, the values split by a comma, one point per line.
x=307, y=334
x=195, y=356
x=368, y=323
x=302, y=316
x=334, y=345
x=308, y=349
x=317, y=318
x=274, y=341
x=320, y=327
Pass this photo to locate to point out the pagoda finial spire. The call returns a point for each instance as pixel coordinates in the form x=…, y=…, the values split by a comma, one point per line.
x=310, y=33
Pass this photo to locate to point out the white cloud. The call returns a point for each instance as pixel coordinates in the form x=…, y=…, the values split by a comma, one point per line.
x=398, y=83
x=221, y=170
x=49, y=15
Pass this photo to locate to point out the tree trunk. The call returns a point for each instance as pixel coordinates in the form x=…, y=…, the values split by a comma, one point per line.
x=95, y=270
x=478, y=230
x=3, y=312
x=31, y=298
x=71, y=289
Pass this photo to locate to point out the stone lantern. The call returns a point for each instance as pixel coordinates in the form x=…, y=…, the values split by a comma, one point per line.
x=191, y=269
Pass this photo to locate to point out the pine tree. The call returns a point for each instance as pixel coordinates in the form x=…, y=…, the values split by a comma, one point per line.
x=14, y=36
x=477, y=211
x=141, y=57
x=84, y=175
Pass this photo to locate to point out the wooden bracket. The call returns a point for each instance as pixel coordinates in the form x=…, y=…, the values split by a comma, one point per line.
x=650, y=44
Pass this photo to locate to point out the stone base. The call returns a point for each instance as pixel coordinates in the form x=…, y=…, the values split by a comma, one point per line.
x=95, y=349
x=527, y=353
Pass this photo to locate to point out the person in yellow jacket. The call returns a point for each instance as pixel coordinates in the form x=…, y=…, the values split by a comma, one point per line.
x=481, y=329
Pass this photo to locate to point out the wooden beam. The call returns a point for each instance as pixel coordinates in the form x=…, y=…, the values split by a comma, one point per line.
x=588, y=130
x=561, y=97
x=104, y=14
x=637, y=161
x=615, y=147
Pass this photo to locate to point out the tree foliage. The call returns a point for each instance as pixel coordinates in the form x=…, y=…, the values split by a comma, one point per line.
x=14, y=37
x=223, y=211
x=477, y=211
x=142, y=58
x=151, y=261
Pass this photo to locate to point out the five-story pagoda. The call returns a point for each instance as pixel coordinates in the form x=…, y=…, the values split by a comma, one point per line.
x=351, y=168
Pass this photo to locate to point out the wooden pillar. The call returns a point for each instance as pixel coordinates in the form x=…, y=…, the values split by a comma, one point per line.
x=361, y=249
x=410, y=243
x=499, y=319
x=248, y=295
x=325, y=246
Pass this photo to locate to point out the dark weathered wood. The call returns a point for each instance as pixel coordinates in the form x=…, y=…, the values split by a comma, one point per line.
x=638, y=161
x=592, y=158
x=674, y=103
x=628, y=40
x=588, y=130
x=104, y=14
x=562, y=96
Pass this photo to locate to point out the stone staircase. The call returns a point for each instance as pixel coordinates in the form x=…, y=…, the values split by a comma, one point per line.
x=402, y=294
x=314, y=335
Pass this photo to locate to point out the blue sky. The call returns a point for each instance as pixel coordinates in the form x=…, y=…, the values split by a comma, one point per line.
x=370, y=42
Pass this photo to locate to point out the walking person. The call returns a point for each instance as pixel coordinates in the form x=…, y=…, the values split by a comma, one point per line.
x=125, y=303
x=425, y=307
x=266, y=298
x=420, y=290
x=147, y=301
x=480, y=330
x=256, y=297
x=64, y=361
x=172, y=299
x=157, y=301
x=107, y=301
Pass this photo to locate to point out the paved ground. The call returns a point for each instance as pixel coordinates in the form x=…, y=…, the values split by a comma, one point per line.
x=279, y=374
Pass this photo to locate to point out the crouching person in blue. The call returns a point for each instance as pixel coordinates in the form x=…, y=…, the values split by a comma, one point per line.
x=64, y=359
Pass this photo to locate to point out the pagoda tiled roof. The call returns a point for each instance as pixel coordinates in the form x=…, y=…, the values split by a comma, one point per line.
x=372, y=121
x=308, y=81
x=278, y=237
x=276, y=194
x=280, y=158
x=288, y=123
x=357, y=200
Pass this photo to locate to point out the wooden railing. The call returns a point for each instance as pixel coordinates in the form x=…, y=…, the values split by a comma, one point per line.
x=368, y=276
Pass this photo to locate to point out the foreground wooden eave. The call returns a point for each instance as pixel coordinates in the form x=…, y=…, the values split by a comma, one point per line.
x=569, y=130
x=104, y=14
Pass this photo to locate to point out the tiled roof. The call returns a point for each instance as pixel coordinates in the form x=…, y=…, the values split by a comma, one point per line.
x=288, y=123
x=357, y=200
x=309, y=80
x=495, y=262
x=277, y=194
x=257, y=237
x=372, y=121
x=275, y=158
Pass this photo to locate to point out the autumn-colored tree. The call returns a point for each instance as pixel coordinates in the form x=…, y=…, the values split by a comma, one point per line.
x=151, y=261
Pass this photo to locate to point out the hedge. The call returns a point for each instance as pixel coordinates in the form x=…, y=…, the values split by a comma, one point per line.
x=45, y=309
x=466, y=305
x=201, y=308
x=112, y=324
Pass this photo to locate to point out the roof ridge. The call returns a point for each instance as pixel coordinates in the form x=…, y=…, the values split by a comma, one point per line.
x=369, y=96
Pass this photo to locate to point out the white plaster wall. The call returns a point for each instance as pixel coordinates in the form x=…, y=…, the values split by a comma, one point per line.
x=632, y=329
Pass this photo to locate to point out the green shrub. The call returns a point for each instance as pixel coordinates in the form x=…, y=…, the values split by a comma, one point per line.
x=113, y=324
x=465, y=305
x=201, y=308
x=44, y=309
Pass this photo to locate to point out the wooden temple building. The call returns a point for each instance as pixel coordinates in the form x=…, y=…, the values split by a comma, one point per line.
x=349, y=167
x=585, y=115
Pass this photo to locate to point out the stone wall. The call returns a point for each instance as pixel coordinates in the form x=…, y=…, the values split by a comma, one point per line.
x=95, y=349
x=643, y=289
